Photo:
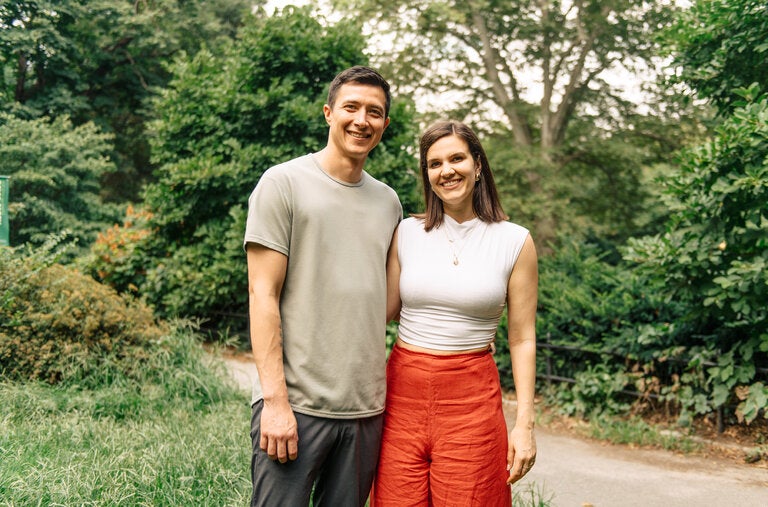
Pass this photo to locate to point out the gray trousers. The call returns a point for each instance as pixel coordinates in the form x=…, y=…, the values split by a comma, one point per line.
x=337, y=457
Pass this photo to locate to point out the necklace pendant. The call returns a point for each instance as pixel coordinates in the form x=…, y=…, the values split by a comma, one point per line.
x=455, y=261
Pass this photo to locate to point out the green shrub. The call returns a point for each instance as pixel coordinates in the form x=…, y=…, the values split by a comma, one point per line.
x=58, y=325
x=713, y=258
x=55, y=169
x=600, y=311
x=227, y=115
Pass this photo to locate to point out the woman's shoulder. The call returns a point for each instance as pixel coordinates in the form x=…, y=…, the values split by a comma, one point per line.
x=411, y=223
x=511, y=230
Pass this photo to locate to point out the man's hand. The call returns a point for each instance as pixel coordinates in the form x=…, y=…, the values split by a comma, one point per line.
x=279, y=434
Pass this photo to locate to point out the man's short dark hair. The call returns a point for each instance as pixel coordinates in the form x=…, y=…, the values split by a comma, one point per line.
x=362, y=75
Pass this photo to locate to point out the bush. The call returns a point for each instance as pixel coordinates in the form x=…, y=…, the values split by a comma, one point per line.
x=227, y=115
x=60, y=326
x=713, y=259
x=173, y=431
x=612, y=332
x=55, y=169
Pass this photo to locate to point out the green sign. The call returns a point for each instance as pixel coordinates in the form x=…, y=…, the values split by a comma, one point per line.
x=5, y=226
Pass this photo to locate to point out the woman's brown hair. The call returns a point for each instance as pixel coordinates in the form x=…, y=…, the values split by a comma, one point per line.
x=485, y=198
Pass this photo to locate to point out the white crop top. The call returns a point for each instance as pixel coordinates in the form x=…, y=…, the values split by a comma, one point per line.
x=448, y=306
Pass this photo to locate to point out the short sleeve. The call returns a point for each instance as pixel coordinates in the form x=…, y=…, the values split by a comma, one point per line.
x=270, y=214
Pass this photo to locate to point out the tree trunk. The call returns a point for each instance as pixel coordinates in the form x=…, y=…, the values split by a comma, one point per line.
x=21, y=79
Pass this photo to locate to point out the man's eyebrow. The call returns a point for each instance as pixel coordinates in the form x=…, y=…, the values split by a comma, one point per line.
x=357, y=102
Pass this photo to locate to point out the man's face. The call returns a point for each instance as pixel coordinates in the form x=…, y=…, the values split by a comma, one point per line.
x=357, y=119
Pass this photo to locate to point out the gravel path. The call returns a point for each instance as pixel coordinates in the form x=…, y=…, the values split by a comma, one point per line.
x=572, y=472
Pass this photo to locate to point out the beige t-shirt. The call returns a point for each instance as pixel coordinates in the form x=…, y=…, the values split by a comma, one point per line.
x=333, y=305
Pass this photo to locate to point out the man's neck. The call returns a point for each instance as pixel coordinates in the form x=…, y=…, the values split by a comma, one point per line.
x=340, y=168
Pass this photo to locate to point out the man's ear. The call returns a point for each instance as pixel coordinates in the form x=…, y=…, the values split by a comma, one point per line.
x=327, y=113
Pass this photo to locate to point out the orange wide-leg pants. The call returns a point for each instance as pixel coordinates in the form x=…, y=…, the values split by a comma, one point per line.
x=444, y=441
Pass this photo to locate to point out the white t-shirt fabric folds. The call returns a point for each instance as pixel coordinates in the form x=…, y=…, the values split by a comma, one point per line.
x=453, y=294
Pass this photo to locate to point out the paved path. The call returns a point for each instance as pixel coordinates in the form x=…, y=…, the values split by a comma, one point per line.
x=574, y=472
x=571, y=472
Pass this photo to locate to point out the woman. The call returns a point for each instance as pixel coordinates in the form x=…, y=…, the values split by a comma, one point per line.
x=451, y=271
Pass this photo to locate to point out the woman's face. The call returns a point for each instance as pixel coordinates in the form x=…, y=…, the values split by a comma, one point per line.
x=452, y=172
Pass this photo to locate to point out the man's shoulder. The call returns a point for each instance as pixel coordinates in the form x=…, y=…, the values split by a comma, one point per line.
x=289, y=167
x=378, y=184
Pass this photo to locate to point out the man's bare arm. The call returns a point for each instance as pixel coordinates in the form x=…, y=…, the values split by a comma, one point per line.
x=266, y=275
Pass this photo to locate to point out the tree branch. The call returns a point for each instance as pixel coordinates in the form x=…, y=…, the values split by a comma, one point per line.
x=520, y=128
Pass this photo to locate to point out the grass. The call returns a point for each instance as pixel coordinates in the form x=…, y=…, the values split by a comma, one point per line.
x=177, y=437
x=632, y=431
x=174, y=433
x=531, y=495
x=635, y=431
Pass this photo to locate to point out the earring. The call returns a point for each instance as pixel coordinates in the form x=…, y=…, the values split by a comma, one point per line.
x=477, y=177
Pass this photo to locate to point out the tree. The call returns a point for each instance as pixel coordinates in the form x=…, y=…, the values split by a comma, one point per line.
x=547, y=80
x=99, y=60
x=491, y=51
x=719, y=47
x=55, y=169
x=713, y=256
x=224, y=119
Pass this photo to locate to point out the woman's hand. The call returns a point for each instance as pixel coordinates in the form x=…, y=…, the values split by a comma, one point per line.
x=521, y=454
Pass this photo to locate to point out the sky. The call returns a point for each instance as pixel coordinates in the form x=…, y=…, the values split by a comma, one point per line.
x=629, y=84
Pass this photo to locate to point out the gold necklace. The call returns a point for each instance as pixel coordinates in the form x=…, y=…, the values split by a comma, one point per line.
x=452, y=243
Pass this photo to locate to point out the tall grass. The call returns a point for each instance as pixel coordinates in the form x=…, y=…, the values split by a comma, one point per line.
x=531, y=495
x=638, y=432
x=175, y=434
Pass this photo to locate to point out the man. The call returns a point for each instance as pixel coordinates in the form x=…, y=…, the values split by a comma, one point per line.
x=316, y=240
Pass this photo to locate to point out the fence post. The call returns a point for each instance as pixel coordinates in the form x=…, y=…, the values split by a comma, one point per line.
x=5, y=225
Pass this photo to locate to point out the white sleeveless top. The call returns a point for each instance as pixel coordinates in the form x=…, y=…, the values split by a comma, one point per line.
x=455, y=306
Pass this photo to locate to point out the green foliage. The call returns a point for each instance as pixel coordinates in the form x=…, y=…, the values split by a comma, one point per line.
x=603, y=308
x=713, y=256
x=720, y=47
x=98, y=60
x=224, y=119
x=59, y=326
x=635, y=431
x=492, y=51
x=599, y=187
x=596, y=390
x=531, y=495
x=603, y=327
x=55, y=170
